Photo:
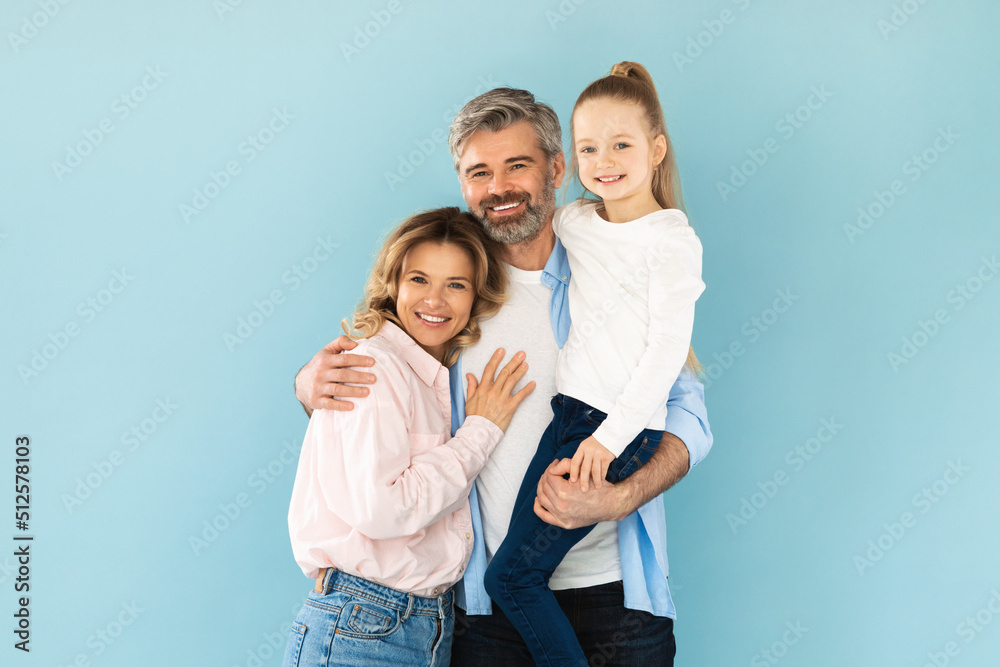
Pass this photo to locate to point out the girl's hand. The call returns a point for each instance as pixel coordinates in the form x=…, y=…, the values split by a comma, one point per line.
x=493, y=397
x=591, y=461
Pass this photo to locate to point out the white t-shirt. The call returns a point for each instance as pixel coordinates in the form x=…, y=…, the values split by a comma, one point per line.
x=524, y=324
x=631, y=300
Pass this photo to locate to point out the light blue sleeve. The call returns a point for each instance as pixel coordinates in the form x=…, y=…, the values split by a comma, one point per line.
x=687, y=417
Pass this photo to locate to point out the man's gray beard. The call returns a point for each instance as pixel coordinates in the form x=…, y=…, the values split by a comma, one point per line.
x=528, y=225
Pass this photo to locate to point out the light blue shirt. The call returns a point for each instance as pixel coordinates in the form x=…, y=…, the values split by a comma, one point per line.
x=642, y=535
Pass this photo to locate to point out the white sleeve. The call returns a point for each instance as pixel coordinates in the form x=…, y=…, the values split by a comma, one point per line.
x=674, y=286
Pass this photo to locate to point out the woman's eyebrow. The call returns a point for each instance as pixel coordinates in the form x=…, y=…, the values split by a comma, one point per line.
x=465, y=278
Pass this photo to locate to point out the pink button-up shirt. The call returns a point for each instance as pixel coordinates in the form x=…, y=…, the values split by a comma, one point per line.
x=381, y=492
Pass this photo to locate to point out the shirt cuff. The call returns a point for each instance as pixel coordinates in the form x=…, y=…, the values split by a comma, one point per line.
x=690, y=430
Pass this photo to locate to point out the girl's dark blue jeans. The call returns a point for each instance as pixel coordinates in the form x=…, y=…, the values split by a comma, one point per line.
x=518, y=576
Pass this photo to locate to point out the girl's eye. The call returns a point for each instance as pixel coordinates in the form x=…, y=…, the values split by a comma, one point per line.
x=620, y=145
x=588, y=149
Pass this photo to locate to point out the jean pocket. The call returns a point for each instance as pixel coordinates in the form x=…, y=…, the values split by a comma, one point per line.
x=367, y=619
x=593, y=416
x=294, y=647
x=618, y=471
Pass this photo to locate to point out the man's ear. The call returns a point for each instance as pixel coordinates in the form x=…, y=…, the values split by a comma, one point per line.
x=558, y=169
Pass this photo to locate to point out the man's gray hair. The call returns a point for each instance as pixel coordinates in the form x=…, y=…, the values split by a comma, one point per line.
x=497, y=110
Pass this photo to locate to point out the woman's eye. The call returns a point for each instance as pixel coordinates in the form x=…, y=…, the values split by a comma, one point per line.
x=458, y=285
x=418, y=279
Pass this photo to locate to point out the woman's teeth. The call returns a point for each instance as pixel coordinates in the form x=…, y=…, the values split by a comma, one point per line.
x=431, y=318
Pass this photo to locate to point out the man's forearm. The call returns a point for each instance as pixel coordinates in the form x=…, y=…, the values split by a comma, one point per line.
x=299, y=398
x=667, y=466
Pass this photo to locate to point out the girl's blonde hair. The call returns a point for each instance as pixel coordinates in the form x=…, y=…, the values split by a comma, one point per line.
x=630, y=83
x=442, y=226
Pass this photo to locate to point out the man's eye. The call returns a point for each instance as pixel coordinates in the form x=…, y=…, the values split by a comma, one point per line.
x=478, y=174
x=516, y=166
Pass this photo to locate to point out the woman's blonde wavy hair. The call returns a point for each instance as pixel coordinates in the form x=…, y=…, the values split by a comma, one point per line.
x=442, y=225
x=631, y=83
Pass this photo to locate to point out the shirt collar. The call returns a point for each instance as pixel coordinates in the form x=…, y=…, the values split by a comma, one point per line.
x=557, y=268
x=423, y=364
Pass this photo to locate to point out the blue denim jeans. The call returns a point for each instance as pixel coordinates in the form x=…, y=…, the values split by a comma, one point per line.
x=353, y=621
x=610, y=634
x=518, y=576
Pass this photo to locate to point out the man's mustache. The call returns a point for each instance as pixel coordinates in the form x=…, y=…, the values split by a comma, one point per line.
x=493, y=201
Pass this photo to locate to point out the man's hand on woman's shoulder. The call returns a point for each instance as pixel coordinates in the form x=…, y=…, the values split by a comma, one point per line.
x=330, y=376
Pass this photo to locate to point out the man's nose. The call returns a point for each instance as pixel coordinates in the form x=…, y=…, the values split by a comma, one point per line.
x=499, y=184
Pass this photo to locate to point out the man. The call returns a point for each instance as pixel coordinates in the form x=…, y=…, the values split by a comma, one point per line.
x=507, y=150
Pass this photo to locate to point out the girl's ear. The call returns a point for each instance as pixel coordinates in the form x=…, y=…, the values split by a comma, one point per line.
x=659, y=149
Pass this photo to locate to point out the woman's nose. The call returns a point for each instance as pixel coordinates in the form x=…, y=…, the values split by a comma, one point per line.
x=434, y=297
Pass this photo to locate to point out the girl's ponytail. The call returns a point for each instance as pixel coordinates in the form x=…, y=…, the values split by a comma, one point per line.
x=636, y=72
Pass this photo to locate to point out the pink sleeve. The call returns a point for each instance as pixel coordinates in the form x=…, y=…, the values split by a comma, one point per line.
x=382, y=480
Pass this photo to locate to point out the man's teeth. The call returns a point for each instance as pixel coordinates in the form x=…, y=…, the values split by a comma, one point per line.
x=609, y=179
x=506, y=206
x=431, y=318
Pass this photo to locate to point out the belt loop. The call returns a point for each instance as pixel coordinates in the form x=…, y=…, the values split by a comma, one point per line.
x=321, y=581
x=409, y=606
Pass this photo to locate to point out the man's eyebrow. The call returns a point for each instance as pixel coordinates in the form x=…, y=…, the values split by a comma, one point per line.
x=510, y=160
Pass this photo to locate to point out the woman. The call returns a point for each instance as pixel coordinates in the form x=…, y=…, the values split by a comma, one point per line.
x=379, y=513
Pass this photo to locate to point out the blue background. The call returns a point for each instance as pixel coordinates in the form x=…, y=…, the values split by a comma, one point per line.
x=749, y=555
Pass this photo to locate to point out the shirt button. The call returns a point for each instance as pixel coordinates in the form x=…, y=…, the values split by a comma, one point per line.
x=468, y=536
x=565, y=277
x=436, y=591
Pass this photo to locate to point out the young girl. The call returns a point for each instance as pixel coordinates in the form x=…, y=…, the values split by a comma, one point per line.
x=379, y=514
x=636, y=266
